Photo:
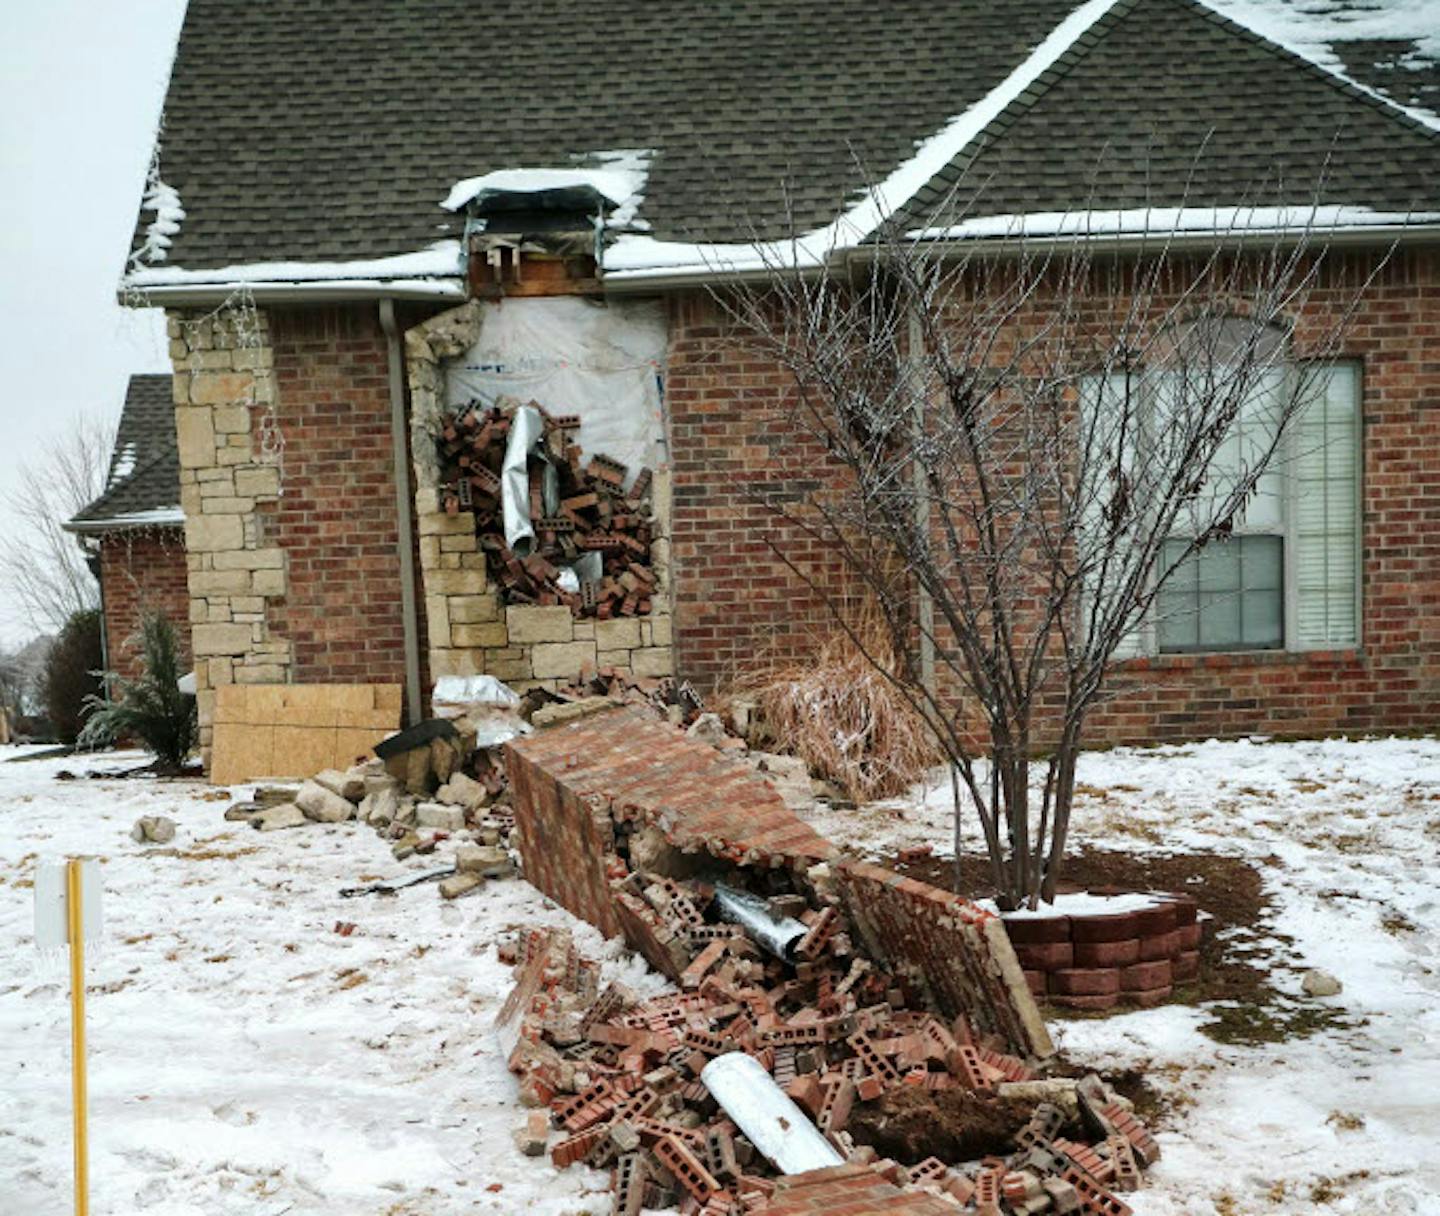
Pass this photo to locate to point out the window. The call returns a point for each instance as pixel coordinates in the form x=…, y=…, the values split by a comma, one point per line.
x=1288, y=578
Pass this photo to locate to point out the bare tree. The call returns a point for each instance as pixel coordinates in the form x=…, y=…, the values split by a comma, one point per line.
x=1037, y=443
x=46, y=567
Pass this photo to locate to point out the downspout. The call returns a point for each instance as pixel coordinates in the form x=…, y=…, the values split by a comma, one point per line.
x=404, y=511
x=925, y=606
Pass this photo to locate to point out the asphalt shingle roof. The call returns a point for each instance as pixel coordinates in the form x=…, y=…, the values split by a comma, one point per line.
x=144, y=475
x=328, y=130
x=1174, y=105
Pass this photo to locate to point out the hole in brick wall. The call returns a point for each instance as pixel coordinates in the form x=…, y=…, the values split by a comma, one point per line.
x=578, y=533
x=952, y=1124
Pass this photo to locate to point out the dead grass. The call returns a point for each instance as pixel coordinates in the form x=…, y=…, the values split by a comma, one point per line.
x=844, y=718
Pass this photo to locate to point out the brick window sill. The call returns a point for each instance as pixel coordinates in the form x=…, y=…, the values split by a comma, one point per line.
x=1244, y=658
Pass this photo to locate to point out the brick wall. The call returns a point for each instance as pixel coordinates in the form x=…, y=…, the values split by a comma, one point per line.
x=740, y=464
x=142, y=572
x=736, y=459
x=572, y=783
x=335, y=518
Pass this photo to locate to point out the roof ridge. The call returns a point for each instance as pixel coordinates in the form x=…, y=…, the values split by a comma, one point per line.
x=1363, y=93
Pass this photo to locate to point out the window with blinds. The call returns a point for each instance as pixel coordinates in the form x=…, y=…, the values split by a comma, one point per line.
x=1289, y=576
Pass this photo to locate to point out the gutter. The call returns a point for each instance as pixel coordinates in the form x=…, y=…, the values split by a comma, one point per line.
x=400, y=453
x=630, y=282
x=99, y=527
x=317, y=291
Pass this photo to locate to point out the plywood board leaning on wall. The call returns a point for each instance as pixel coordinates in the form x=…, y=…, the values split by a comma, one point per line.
x=295, y=730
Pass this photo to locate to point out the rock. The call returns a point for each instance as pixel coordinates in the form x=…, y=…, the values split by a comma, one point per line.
x=789, y=776
x=487, y=861
x=460, y=884
x=439, y=816
x=322, y=804
x=567, y=711
x=243, y=812
x=274, y=795
x=153, y=829
x=530, y=1137
x=462, y=791
x=708, y=729
x=273, y=818
x=405, y=846
x=381, y=807
x=1321, y=983
x=350, y=785
x=376, y=782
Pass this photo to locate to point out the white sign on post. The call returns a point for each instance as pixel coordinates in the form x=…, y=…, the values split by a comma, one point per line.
x=52, y=905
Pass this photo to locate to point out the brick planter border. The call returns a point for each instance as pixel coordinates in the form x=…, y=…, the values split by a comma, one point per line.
x=1100, y=960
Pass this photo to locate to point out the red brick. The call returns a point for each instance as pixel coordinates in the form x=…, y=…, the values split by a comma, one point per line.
x=1186, y=966
x=1107, y=954
x=1085, y=981
x=1035, y=930
x=1190, y=935
x=1148, y=997
x=1164, y=945
x=1144, y=976
x=1154, y=921
x=142, y=572
x=1046, y=956
x=1106, y=1000
x=1112, y=927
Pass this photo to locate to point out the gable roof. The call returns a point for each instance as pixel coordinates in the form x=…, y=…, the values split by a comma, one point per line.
x=142, y=488
x=313, y=140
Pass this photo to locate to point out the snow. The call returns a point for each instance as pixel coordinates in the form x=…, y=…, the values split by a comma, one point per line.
x=1083, y=903
x=237, y=1066
x=614, y=184
x=442, y=259
x=164, y=203
x=1347, y=836
x=245, y=1058
x=1161, y=222
x=1312, y=29
x=124, y=464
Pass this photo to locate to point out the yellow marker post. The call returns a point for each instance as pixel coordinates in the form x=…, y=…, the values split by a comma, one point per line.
x=75, y=907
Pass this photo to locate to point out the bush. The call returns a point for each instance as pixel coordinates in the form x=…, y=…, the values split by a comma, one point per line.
x=70, y=678
x=151, y=708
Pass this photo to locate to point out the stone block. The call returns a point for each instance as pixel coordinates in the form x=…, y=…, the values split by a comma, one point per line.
x=260, y=673
x=437, y=615
x=220, y=639
x=460, y=884
x=454, y=581
x=211, y=533
x=250, y=559
x=221, y=485
x=622, y=634
x=222, y=388
x=441, y=524
x=220, y=582
x=661, y=631
x=474, y=609
x=483, y=636
x=440, y=817
x=195, y=437
x=226, y=506
x=652, y=661
x=527, y=624
x=323, y=805
x=263, y=481
x=269, y=582
x=232, y=420
x=560, y=660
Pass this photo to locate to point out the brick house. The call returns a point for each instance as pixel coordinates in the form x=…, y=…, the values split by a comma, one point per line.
x=137, y=523
x=353, y=253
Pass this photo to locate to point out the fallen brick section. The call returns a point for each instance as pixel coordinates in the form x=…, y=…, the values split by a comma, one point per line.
x=573, y=783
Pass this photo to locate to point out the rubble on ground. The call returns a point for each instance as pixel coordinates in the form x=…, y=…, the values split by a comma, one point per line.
x=153, y=829
x=622, y=1078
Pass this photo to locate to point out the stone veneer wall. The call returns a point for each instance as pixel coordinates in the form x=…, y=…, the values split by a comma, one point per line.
x=470, y=631
x=224, y=385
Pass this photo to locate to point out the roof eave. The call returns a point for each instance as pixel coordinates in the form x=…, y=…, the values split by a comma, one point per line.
x=279, y=291
x=96, y=527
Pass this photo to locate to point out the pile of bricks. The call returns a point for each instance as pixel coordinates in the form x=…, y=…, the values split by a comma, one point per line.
x=595, y=513
x=1102, y=959
x=621, y=1077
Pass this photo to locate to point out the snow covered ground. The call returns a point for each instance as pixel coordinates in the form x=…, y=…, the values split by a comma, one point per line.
x=246, y=1058
x=1348, y=838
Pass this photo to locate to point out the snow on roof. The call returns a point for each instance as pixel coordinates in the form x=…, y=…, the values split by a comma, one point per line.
x=1164, y=221
x=124, y=464
x=1313, y=29
x=441, y=260
x=156, y=517
x=617, y=185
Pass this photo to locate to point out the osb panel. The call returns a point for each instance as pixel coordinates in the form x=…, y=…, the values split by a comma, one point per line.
x=295, y=730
